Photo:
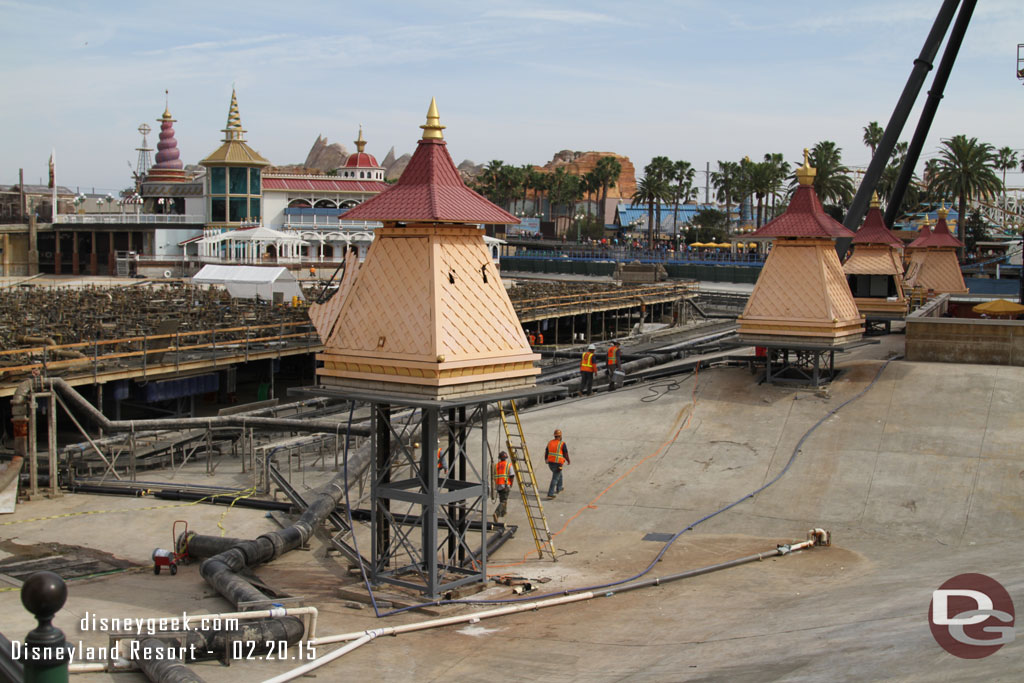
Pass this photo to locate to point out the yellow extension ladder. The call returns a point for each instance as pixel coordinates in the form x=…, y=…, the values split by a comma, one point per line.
x=523, y=468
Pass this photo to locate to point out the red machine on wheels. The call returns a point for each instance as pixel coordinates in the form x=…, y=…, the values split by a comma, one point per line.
x=169, y=558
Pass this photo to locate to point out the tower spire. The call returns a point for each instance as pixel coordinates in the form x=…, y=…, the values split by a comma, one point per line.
x=234, y=130
x=432, y=128
x=360, y=142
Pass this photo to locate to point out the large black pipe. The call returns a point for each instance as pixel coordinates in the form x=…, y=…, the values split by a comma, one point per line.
x=931, y=105
x=922, y=65
x=172, y=494
x=163, y=662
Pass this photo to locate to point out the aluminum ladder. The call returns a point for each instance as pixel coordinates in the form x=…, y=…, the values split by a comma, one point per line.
x=523, y=469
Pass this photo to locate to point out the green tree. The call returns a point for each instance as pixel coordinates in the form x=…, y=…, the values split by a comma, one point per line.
x=592, y=186
x=1006, y=159
x=760, y=177
x=975, y=230
x=966, y=171
x=709, y=225
x=873, y=136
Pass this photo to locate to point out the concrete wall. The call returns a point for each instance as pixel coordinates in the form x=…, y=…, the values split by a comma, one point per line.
x=963, y=340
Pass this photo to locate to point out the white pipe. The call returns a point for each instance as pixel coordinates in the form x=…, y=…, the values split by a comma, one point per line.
x=447, y=621
x=317, y=663
x=81, y=668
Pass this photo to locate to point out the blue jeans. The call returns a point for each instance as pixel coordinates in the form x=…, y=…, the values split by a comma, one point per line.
x=556, y=479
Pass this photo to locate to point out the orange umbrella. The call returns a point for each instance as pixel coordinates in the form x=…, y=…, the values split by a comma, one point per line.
x=999, y=307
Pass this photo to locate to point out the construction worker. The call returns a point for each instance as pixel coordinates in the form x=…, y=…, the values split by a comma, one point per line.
x=533, y=337
x=442, y=465
x=612, y=364
x=587, y=370
x=540, y=337
x=557, y=457
x=503, y=478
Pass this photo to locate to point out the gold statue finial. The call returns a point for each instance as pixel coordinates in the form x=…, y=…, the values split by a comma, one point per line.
x=360, y=142
x=432, y=128
x=942, y=212
x=805, y=174
x=875, y=203
x=167, y=104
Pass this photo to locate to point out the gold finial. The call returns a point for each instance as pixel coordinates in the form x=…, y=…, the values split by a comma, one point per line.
x=432, y=128
x=943, y=212
x=805, y=174
x=360, y=142
x=167, y=105
x=875, y=204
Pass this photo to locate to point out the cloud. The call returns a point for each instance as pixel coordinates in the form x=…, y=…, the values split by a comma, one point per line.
x=553, y=15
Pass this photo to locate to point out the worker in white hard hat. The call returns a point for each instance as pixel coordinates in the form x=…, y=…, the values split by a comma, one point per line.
x=587, y=370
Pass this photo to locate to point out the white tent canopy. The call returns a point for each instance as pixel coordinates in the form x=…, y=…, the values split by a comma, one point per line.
x=247, y=282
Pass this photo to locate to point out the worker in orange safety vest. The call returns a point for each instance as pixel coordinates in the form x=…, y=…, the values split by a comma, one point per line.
x=504, y=475
x=556, y=456
x=587, y=370
x=612, y=364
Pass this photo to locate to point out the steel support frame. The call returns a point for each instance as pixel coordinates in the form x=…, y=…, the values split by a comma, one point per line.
x=806, y=367
x=438, y=540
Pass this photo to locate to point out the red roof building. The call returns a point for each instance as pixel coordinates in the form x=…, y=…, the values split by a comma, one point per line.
x=933, y=261
x=874, y=270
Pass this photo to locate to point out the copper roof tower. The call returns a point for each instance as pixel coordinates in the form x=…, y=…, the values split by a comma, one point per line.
x=234, y=151
x=875, y=269
x=426, y=313
x=933, y=261
x=801, y=295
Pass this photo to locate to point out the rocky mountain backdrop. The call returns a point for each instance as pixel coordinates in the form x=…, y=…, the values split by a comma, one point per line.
x=324, y=157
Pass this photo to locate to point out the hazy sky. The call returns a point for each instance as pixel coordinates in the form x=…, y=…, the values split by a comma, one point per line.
x=700, y=80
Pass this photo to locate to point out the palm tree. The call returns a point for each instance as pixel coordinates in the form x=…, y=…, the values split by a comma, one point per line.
x=608, y=169
x=965, y=171
x=761, y=178
x=779, y=172
x=726, y=182
x=873, y=136
x=1006, y=158
x=591, y=185
x=683, y=174
x=899, y=153
x=661, y=169
x=832, y=182
x=650, y=190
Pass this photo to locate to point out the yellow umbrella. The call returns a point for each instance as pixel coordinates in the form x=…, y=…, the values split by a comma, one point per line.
x=720, y=246
x=698, y=244
x=752, y=244
x=999, y=307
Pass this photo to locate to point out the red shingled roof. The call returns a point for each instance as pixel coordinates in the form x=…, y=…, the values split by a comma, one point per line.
x=940, y=236
x=325, y=184
x=874, y=231
x=803, y=218
x=924, y=233
x=361, y=160
x=430, y=190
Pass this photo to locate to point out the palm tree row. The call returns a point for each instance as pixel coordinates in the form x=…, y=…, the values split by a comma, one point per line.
x=509, y=186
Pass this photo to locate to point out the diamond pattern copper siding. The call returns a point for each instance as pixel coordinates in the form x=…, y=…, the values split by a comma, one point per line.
x=873, y=259
x=428, y=308
x=324, y=316
x=802, y=293
x=936, y=269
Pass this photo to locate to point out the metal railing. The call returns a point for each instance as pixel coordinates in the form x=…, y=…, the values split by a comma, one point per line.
x=710, y=256
x=133, y=218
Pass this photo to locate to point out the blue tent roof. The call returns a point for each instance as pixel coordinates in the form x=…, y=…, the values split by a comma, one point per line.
x=627, y=214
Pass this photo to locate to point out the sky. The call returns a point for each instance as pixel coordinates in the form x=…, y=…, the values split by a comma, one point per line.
x=700, y=80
